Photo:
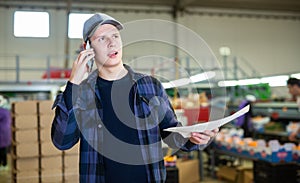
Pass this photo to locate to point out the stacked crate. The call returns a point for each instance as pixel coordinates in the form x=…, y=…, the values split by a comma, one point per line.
x=71, y=165
x=34, y=157
x=51, y=158
x=25, y=146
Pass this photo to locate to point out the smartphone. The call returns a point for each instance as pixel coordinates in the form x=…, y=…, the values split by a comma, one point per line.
x=90, y=63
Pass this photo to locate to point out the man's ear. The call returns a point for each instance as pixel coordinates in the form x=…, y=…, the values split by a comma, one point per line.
x=84, y=45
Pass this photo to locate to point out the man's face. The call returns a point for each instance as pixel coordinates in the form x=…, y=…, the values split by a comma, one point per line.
x=107, y=45
x=294, y=90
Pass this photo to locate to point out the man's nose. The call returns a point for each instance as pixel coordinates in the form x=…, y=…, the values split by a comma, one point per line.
x=111, y=42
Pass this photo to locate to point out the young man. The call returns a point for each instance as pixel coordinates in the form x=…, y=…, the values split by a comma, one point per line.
x=293, y=85
x=118, y=115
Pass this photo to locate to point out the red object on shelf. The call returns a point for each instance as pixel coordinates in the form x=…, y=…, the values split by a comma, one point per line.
x=275, y=115
x=57, y=73
x=196, y=115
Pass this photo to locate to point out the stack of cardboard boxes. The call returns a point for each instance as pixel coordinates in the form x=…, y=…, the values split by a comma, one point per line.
x=34, y=157
x=25, y=144
x=71, y=162
x=51, y=158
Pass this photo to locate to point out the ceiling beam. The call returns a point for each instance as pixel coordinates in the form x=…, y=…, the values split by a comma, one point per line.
x=179, y=5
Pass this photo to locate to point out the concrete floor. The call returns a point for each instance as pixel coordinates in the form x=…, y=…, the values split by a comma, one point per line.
x=5, y=175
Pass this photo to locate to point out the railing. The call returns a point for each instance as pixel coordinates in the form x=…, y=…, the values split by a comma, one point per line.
x=42, y=68
x=29, y=68
x=240, y=68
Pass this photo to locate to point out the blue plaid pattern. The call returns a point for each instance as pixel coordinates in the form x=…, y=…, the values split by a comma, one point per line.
x=153, y=114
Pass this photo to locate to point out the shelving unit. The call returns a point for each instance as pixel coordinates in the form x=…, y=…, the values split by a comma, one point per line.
x=283, y=110
x=279, y=112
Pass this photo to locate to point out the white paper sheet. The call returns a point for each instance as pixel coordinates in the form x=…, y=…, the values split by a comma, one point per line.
x=186, y=131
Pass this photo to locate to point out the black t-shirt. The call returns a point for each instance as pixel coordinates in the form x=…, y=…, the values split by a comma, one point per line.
x=122, y=154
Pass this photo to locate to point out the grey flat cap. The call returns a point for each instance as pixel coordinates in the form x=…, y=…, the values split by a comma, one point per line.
x=95, y=21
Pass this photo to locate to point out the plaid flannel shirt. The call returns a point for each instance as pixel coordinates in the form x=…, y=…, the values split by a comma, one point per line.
x=83, y=122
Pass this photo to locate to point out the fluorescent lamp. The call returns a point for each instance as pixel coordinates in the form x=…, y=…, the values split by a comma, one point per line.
x=192, y=79
x=203, y=76
x=248, y=81
x=176, y=83
x=228, y=83
x=273, y=79
x=181, y=82
x=167, y=85
x=224, y=51
x=277, y=83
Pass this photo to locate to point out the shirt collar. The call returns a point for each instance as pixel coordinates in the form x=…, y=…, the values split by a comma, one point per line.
x=92, y=78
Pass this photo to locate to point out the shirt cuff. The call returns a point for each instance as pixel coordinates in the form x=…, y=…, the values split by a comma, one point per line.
x=190, y=145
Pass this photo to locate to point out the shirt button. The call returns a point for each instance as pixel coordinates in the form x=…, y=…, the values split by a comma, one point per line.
x=99, y=126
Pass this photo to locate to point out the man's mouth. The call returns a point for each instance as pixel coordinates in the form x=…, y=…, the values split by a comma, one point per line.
x=113, y=54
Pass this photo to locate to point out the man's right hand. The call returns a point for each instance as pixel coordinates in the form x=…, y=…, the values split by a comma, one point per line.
x=79, y=67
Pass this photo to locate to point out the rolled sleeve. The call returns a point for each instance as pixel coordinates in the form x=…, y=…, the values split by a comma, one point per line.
x=64, y=130
x=71, y=89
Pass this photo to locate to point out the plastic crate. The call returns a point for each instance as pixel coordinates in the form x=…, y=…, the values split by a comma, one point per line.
x=266, y=172
x=172, y=175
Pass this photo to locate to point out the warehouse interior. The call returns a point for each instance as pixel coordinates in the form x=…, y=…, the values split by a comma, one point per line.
x=210, y=56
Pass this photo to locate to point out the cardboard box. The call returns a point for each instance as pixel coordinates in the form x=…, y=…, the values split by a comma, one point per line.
x=27, y=176
x=45, y=107
x=46, y=121
x=23, y=122
x=71, y=161
x=73, y=151
x=27, y=150
x=248, y=176
x=27, y=164
x=241, y=174
x=52, y=175
x=48, y=149
x=26, y=136
x=45, y=135
x=71, y=175
x=188, y=171
x=71, y=171
x=72, y=179
x=264, y=171
x=51, y=162
x=25, y=107
x=227, y=173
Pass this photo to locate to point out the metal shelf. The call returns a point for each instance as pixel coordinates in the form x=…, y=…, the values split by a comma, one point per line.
x=284, y=110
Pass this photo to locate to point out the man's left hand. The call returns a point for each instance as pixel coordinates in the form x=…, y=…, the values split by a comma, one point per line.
x=203, y=137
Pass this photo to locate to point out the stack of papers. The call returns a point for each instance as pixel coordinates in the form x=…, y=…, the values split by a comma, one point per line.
x=186, y=131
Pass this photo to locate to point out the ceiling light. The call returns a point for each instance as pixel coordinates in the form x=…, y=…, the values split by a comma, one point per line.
x=224, y=51
x=273, y=79
x=167, y=85
x=253, y=81
x=203, y=76
x=227, y=83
